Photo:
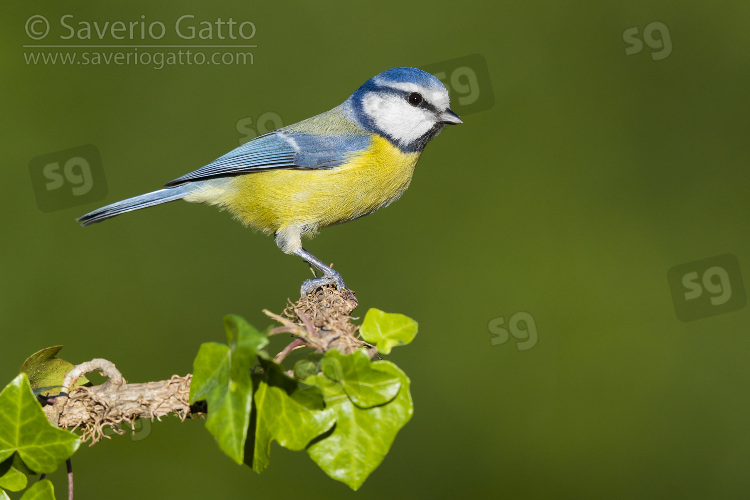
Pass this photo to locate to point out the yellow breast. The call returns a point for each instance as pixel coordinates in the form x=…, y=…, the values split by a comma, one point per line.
x=311, y=199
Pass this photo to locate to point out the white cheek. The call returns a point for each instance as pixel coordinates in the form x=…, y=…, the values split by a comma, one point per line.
x=397, y=118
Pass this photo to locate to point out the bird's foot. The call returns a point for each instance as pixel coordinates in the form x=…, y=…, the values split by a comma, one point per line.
x=332, y=278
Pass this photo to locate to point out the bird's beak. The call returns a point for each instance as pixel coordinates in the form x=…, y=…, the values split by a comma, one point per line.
x=450, y=118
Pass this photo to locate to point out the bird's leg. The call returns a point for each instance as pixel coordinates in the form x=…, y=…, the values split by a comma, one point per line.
x=329, y=275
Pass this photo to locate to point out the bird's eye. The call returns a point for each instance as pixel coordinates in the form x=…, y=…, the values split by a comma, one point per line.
x=415, y=98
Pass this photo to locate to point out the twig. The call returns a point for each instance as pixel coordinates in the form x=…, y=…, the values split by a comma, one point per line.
x=116, y=402
x=69, y=463
x=298, y=342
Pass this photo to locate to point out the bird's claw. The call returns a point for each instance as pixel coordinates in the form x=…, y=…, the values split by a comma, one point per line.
x=329, y=279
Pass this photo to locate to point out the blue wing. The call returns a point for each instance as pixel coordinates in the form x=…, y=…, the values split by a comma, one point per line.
x=284, y=148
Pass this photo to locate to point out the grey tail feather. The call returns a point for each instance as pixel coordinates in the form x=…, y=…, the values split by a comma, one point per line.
x=136, y=203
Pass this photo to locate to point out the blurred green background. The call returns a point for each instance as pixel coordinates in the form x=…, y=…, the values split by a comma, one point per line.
x=580, y=177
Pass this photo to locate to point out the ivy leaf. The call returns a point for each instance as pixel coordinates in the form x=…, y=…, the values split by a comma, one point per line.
x=364, y=386
x=24, y=429
x=304, y=368
x=11, y=478
x=287, y=411
x=41, y=490
x=46, y=372
x=18, y=464
x=221, y=376
x=387, y=330
x=362, y=436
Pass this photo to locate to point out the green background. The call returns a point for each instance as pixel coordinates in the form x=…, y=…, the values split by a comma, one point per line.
x=589, y=177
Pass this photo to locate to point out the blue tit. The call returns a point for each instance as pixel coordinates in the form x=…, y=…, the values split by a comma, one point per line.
x=332, y=168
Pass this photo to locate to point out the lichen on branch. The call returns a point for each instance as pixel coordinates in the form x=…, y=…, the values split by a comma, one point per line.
x=116, y=402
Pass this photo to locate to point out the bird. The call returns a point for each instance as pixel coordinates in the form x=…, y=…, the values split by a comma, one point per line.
x=329, y=169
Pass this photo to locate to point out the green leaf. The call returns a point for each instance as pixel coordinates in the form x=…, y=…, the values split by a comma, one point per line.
x=3, y=495
x=221, y=376
x=362, y=436
x=11, y=479
x=365, y=386
x=24, y=429
x=41, y=490
x=287, y=411
x=387, y=330
x=18, y=464
x=304, y=368
x=46, y=372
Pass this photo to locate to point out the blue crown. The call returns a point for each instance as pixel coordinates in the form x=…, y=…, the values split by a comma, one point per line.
x=406, y=74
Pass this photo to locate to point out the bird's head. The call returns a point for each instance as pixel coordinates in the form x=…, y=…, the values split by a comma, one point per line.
x=406, y=105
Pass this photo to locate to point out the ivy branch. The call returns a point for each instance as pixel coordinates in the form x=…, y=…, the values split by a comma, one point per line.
x=338, y=405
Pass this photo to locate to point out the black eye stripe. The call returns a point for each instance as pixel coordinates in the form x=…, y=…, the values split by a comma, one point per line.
x=425, y=104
